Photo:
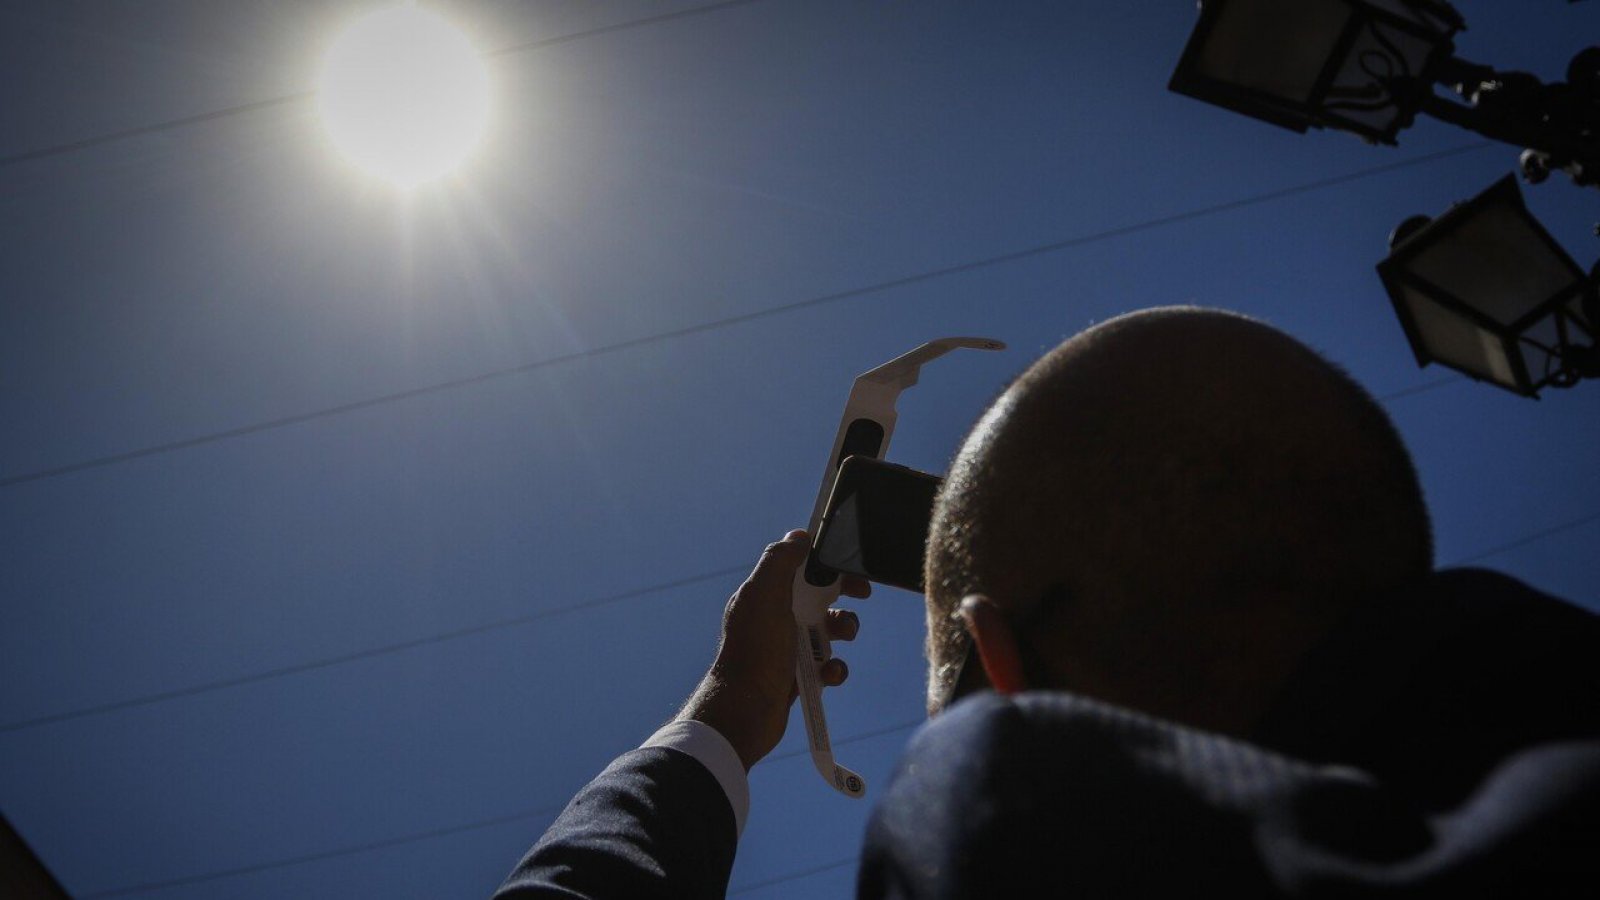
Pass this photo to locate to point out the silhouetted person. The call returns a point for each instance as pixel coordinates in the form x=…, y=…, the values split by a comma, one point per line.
x=1184, y=566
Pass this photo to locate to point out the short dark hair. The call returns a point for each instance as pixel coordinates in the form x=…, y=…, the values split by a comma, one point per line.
x=1169, y=457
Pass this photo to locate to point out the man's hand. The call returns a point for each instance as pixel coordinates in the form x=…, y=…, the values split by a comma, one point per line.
x=748, y=691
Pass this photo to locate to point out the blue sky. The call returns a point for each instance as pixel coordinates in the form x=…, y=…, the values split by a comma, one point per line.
x=398, y=637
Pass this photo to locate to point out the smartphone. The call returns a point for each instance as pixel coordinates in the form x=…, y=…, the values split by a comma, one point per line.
x=876, y=522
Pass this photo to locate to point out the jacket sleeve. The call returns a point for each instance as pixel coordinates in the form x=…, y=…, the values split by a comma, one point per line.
x=654, y=824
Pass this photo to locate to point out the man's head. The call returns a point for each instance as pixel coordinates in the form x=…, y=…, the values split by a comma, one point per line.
x=1169, y=509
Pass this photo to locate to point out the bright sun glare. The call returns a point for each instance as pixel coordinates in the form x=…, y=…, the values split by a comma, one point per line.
x=404, y=96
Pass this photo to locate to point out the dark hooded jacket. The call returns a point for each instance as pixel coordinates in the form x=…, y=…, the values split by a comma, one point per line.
x=1443, y=743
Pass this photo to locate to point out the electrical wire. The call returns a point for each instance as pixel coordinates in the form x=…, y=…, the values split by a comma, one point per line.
x=1528, y=539
x=112, y=137
x=442, y=637
x=541, y=43
x=218, y=874
x=740, y=319
x=153, y=128
x=370, y=653
x=863, y=736
x=1420, y=389
x=792, y=876
x=430, y=834
x=552, y=810
x=635, y=593
x=548, y=811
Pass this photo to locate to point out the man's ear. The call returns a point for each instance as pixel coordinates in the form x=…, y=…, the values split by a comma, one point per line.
x=996, y=644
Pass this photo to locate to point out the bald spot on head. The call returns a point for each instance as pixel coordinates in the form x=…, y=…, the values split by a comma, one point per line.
x=1198, y=494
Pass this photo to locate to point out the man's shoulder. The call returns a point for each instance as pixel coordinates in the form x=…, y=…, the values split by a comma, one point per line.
x=1005, y=790
x=1481, y=611
x=1040, y=743
x=1505, y=667
x=1434, y=686
x=1478, y=591
x=986, y=740
x=1001, y=795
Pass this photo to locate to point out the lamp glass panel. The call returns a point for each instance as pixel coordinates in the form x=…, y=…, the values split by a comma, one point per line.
x=1538, y=343
x=1583, y=333
x=1380, y=53
x=1457, y=341
x=1544, y=332
x=1497, y=262
x=1274, y=47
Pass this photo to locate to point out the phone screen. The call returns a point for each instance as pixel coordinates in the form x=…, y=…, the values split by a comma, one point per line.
x=876, y=522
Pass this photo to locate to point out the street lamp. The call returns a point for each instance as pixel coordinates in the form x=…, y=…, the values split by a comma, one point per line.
x=1354, y=65
x=1485, y=290
x=1369, y=67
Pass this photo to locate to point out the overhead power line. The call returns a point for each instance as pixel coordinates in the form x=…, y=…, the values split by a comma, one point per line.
x=1421, y=388
x=592, y=603
x=1528, y=539
x=552, y=810
x=541, y=43
x=863, y=736
x=446, y=831
x=242, y=109
x=111, y=137
x=740, y=319
x=548, y=811
x=369, y=653
x=454, y=634
x=793, y=876
x=219, y=874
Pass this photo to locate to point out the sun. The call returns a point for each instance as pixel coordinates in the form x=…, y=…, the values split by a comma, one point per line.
x=404, y=96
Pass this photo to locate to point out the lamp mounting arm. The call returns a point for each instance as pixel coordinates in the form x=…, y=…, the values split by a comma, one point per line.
x=1559, y=123
x=1441, y=10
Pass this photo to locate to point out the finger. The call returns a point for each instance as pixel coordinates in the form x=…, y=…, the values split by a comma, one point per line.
x=780, y=559
x=834, y=672
x=843, y=625
x=855, y=586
